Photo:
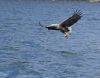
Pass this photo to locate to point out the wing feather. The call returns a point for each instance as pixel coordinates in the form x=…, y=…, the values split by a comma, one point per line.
x=72, y=20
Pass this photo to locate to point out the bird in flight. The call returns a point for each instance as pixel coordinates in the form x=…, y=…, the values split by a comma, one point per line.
x=65, y=26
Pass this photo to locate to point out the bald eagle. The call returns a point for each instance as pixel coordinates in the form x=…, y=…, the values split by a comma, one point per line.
x=65, y=26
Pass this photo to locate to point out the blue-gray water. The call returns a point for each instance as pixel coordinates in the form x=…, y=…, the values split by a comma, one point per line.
x=28, y=50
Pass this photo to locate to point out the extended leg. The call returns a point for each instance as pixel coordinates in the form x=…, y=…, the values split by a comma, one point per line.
x=66, y=35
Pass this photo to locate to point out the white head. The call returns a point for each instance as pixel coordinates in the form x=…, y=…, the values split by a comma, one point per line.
x=54, y=25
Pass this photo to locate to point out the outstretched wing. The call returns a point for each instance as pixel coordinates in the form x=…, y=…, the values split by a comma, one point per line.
x=72, y=20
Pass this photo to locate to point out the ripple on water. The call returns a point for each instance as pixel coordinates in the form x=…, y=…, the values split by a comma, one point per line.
x=9, y=48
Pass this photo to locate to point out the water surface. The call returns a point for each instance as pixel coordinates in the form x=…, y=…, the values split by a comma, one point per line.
x=28, y=50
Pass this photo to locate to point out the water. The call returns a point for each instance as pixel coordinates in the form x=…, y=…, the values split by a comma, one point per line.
x=28, y=50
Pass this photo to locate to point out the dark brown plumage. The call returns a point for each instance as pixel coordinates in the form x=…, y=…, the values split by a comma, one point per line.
x=71, y=20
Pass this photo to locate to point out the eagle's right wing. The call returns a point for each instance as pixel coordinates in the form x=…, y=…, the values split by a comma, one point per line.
x=72, y=20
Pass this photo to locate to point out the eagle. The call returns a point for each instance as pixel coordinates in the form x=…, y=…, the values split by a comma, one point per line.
x=65, y=26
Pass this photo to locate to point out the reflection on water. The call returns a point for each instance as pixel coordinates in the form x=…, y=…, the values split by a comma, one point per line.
x=28, y=50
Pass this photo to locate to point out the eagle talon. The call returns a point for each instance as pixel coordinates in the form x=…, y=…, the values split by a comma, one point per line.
x=66, y=35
